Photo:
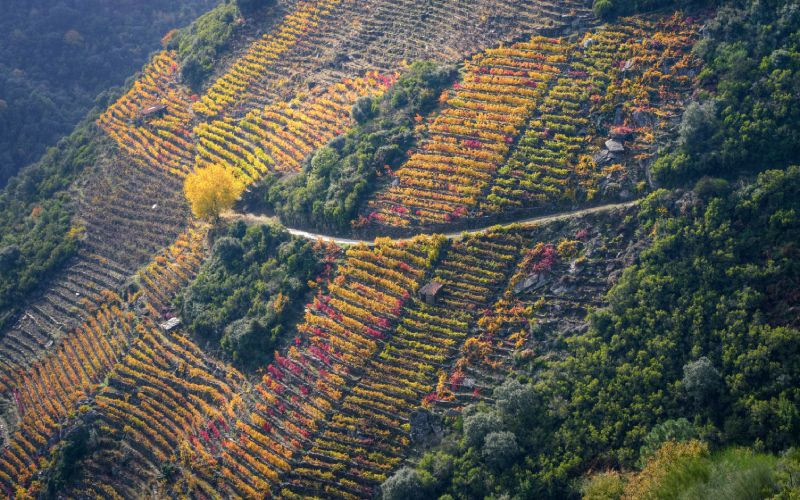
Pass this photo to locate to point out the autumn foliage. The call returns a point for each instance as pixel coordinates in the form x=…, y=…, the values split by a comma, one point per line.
x=211, y=190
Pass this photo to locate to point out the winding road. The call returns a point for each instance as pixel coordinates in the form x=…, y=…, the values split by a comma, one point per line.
x=533, y=221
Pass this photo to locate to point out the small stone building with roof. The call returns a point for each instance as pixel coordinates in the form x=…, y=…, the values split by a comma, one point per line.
x=430, y=292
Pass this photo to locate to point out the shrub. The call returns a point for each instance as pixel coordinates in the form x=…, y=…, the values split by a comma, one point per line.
x=500, y=449
x=477, y=426
x=229, y=251
x=515, y=401
x=688, y=471
x=701, y=381
x=67, y=458
x=788, y=473
x=677, y=430
x=679, y=459
x=438, y=465
x=672, y=169
x=364, y=109
x=405, y=484
x=604, y=9
x=697, y=126
x=603, y=486
x=711, y=187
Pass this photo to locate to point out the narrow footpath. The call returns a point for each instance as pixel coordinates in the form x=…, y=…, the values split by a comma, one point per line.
x=532, y=221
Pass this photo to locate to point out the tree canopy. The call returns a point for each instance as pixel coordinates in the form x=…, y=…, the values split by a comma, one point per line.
x=58, y=58
x=747, y=119
x=248, y=6
x=245, y=297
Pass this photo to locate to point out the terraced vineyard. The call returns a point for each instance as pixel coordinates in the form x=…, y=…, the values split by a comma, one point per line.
x=164, y=141
x=332, y=415
x=557, y=281
x=370, y=432
x=282, y=135
x=126, y=215
x=520, y=133
x=325, y=42
x=49, y=394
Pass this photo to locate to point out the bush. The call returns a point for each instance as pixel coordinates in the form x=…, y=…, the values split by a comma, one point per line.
x=688, y=471
x=713, y=280
x=678, y=430
x=603, y=486
x=701, y=381
x=698, y=123
x=74, y=447
x=364, y=109
x=405, y=484
x=673, y=169
x=603, y=9
x=500, y=449
x=438, y=466
x=477, y=426
x=711, y=187
x=229, y=251
x=516, y=402
x=788, y=474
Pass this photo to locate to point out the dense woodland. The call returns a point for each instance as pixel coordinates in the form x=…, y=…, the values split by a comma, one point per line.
x=58, y=57
x=747, y=121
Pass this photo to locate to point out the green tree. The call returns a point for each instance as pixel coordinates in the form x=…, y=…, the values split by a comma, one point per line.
x=604, y=9
x=477, y=426
x=364, y=109
x=701, y=381
x=405, y=484
x=678, y=430
x=500, y=449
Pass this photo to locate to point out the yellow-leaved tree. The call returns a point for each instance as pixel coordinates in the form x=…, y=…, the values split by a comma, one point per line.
x=211, y=190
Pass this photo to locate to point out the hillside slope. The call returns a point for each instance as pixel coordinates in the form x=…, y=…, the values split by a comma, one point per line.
x=519, y=357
